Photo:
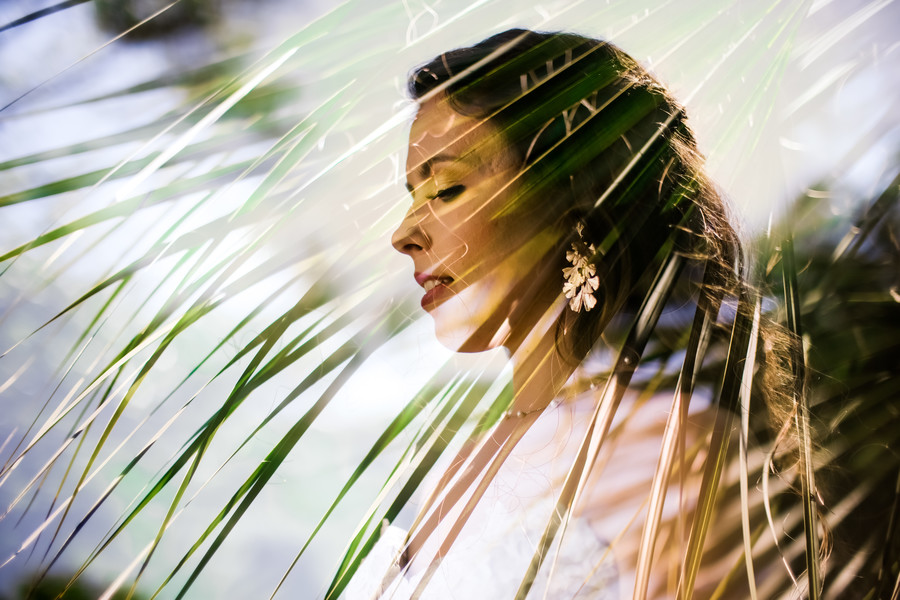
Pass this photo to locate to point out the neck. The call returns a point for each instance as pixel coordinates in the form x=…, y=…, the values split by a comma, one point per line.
x=539, y=370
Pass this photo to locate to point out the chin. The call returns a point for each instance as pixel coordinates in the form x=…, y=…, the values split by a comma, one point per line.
x=457, y=340
x=458, y=337
x=462, y=330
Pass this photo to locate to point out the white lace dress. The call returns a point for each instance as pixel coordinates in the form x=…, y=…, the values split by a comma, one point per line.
x=491, y=555
x=493, y=573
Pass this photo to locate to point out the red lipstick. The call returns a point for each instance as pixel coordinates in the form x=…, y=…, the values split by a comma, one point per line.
x=436, y=289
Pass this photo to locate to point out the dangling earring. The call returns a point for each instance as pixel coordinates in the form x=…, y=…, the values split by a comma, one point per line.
x=581, y=278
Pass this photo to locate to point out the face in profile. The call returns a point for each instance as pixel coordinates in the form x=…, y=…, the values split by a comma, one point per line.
x=474, y=250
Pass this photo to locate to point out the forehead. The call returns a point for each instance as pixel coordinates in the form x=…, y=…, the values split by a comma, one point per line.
x=440, y=134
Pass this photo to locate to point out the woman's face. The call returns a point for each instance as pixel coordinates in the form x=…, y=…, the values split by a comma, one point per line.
x=473, y=253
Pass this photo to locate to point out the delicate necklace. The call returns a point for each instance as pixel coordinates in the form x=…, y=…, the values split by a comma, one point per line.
x=518, y=414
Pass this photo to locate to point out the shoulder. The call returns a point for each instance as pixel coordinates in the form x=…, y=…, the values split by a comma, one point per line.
x=380, y=571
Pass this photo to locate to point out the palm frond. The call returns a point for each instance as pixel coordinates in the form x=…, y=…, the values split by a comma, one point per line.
x=196, y=287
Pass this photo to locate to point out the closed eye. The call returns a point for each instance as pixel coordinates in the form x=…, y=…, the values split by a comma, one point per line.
x=450, y=192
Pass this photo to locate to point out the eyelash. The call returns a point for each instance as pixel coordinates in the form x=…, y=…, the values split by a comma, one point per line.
x=449, y=193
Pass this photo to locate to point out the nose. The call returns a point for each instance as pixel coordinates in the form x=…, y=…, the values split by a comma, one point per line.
x=410, y=237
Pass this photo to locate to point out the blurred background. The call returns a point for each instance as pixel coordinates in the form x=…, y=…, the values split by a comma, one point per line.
x=195, y=270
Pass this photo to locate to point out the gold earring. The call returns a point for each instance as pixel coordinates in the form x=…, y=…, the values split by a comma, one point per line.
x=581, y=278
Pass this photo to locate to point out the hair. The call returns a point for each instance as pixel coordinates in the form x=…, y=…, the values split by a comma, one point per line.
x=602, y=143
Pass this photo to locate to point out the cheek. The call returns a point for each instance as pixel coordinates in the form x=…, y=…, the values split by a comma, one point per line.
x=513, y=241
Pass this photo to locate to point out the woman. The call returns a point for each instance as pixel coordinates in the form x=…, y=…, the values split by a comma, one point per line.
x=558, y=207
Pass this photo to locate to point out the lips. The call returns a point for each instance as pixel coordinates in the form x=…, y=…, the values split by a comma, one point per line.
x=433, y=282
x=436, y=288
